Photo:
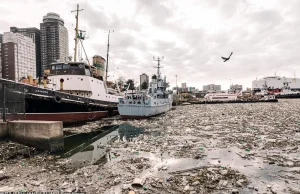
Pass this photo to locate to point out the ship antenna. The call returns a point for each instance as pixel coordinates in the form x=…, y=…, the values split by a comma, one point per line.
x=158, y=65
x=76, y=30
x=107, y=53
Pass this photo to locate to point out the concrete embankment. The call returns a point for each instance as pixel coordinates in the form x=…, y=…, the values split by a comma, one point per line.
x=3, y=130
x=43, y=135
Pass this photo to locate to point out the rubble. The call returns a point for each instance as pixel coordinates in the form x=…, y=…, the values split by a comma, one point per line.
x=191, y=149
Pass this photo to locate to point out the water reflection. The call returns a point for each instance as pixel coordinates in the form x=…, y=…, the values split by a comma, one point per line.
x=89, y=148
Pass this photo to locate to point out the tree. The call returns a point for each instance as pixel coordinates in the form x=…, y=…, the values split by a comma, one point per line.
x=144, y=85
x=129, y=83
x=121, y=82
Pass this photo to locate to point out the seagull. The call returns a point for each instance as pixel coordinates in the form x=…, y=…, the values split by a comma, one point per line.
x=226, y=59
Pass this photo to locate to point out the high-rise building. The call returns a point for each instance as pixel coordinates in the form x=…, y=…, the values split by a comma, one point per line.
x=35, y=35
x=212, y=87
x=236, y=87
x=54, y=40
x=1, y=37
x=144, y=78
x=184, y=87
x=18, y=56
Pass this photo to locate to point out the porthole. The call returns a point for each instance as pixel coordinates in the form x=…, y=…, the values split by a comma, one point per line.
x=67, y=78
x=92, y=80
x=81, y=79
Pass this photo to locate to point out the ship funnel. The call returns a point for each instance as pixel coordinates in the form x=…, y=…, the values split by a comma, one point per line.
x=30, y=79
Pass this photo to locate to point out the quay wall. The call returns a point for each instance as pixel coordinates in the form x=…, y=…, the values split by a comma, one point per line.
x=44, y=135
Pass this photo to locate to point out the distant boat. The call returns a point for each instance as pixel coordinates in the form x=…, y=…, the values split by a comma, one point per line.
x=222, y=96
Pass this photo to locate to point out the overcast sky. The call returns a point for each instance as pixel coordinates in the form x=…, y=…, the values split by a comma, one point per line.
x=192, y=35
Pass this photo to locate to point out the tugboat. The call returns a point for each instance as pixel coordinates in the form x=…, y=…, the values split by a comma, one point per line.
x=151, y=102
x=71, y=92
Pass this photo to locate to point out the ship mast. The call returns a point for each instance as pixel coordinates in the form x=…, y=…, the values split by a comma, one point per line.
x=158, y=66
x=76, y=30
x=107, y=54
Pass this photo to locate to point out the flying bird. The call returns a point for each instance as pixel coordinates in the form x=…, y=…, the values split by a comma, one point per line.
x=226, y=59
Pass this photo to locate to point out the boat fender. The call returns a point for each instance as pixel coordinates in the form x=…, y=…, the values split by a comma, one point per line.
x=57, y=99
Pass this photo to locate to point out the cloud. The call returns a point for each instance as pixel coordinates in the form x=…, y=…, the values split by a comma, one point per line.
x=192, y=36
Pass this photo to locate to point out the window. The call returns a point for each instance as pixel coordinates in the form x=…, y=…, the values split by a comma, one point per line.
x=53, y=67
x=59, y=66
x=66, y=66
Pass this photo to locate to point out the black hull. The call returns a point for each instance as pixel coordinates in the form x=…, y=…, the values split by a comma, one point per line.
x=288, y=96
x=40, y=100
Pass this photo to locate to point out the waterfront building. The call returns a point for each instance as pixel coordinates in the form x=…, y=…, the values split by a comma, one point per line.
x=144, y=78
x=276, y=82
x=195, y=90
x=35, y=35
x=54, y=40
x=18, y=56
x=212, y=87
x=190, y=89
x=184, y=87
x=236, y=87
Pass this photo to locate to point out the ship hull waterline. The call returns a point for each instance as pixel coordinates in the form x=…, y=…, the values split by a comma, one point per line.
x=142, y=111
x=65, y=117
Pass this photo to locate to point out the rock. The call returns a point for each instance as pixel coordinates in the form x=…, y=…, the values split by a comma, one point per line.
x=225, y=183
x=256, y=188
x=224, y=172
x=161, y=180
x=35, y=183
x=239, y=183
x=131, y=192
x=138, y=182
x=164, y=168
x=295, y=190
x=2, y=177
x=1, y=172
x=186, y=188
x=7, y=189
x=65, y=183
x=195, y=183
x=235, y=191
x=186, y=174
x=117, y=180
x=69, y=190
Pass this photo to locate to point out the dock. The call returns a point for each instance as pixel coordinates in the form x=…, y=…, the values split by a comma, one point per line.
x=223, y=102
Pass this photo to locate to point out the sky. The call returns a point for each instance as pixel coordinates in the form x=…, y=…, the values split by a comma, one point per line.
x=192, y=35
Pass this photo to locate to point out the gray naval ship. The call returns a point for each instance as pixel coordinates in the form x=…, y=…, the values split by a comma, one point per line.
x=142, y=104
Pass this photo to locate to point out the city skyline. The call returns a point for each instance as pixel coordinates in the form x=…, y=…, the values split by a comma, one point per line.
x=261, y=34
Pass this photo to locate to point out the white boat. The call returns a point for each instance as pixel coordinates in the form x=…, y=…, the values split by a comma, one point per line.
x=222, y=96
x=154, y=101
x=286, y=90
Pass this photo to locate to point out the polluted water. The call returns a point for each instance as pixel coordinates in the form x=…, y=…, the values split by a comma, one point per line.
x=215, y=148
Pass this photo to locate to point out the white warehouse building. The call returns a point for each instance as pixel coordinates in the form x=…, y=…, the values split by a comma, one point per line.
x=276, y=82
